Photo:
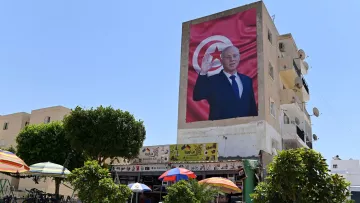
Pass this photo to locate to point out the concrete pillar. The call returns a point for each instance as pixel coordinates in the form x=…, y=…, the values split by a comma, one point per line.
x=249, y=184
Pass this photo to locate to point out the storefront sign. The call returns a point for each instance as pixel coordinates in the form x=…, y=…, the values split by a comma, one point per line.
x=141, y=168
x=194, y=152
x=218, y=166
x=153, y=154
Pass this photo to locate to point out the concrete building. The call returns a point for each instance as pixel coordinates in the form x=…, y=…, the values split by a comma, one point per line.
x=280, y=92
x=12, y=124
x=350, y=170
x=282, y=121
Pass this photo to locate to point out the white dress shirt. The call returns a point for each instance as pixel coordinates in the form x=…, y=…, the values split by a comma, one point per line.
x=238, y=81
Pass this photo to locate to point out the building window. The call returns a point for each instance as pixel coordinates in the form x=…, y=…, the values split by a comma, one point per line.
x=269, y=36
x=6, y=126
x=26, y=123
x=334, y=165
x=272, y=108
x=47, y=119
x=271, y=71
x=281, y=47
x=286, y=119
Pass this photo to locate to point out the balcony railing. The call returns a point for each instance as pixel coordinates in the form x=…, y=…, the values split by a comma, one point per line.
x=297, y=69
x=305, y=85
x=300, y=133
x=309, y=144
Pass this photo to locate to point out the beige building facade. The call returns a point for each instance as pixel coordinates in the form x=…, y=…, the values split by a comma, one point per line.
x=282, y=120
x=12, y=124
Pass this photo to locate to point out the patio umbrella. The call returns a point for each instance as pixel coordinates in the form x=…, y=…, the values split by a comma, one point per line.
x=177, y=174
x=224, y=184
x=11, y=163
x=138, y=187
x=48, y=169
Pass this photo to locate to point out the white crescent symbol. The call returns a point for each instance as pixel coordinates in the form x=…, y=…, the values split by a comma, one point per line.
x=221, y=43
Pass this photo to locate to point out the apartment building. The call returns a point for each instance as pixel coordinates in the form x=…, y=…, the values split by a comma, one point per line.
x=350, y=170
x=251, y=121
x=296, y=122
x=277, y=67
x=12, y=124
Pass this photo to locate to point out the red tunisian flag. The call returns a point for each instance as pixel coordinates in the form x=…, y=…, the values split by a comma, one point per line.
x=211, y=37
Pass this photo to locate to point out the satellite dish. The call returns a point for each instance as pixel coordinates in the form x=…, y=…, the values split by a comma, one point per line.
x=306, y=65
x=315, y=137
x=336, y=157
x=316, y=112
x=301, y=54
x=297, y=121
x=299, y=82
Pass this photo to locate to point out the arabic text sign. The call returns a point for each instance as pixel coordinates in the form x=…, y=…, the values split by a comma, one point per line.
x=194, y=152
x=154, y=154
x=219, y=166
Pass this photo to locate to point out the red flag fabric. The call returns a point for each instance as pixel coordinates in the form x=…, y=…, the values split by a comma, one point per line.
x=211, y=37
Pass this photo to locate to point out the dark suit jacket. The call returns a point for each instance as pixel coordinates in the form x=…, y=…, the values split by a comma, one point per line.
x=223, y=102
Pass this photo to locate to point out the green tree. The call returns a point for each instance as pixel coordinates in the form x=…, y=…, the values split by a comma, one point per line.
x=180, y=192
x=190, y=191
x=300, y=175
x=94, y=185
x=104, y=133
x=47, y=142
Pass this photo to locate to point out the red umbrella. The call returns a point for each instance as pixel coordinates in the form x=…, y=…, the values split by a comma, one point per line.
x=177, y=174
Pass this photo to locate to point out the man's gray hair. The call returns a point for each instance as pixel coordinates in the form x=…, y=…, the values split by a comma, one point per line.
x=227, y=48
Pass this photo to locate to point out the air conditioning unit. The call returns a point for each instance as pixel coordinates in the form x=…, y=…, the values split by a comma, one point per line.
x=282, y=47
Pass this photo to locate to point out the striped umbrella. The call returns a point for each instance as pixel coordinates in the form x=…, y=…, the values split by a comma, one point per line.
x=138, y=187
x=48, y=169
x=177, y=174
x=224, y=184
x=11, y=163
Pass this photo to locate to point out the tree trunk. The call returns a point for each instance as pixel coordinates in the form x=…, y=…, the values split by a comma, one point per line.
x=57, y=187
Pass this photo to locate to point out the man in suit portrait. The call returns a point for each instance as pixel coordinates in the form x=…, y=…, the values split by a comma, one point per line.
x=229, y=93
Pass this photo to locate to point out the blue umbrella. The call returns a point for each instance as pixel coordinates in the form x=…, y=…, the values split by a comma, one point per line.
x=138, y=187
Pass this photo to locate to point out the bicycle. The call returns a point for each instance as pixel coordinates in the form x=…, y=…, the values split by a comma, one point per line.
x=35, y=196
x=9, y=199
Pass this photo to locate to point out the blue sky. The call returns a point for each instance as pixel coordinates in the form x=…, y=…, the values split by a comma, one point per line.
x=92, y=53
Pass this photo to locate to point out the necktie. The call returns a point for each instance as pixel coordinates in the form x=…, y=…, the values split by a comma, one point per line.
x=235, y=86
